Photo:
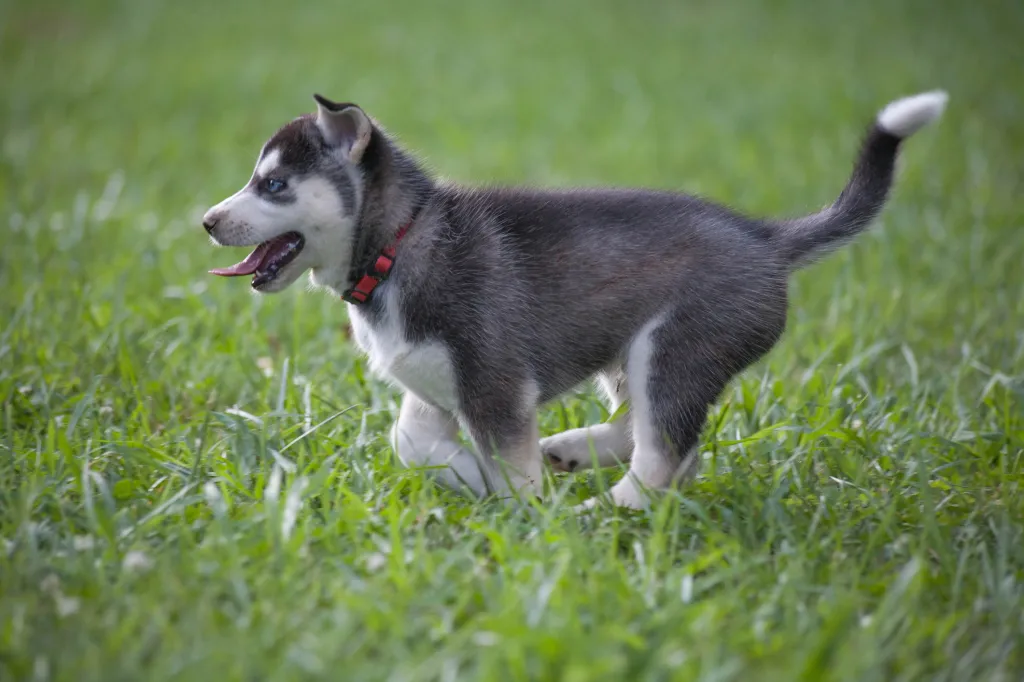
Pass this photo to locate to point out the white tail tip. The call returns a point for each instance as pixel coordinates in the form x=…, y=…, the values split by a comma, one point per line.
x=906, y=116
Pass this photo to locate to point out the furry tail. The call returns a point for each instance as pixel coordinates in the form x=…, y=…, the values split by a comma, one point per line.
x=805, y=239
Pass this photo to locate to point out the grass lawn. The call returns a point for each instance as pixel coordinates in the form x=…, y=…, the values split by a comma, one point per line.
x=195, y=483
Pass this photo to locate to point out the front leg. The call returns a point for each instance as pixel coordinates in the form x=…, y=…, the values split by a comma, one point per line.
x=423, y=435
x=504, y=428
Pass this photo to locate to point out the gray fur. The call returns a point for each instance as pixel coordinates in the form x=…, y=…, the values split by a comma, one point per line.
x=542, y=288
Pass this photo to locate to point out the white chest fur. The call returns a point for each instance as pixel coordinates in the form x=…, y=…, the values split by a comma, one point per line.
x=423, y=368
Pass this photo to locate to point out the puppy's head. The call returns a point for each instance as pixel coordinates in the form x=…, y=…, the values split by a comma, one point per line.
x=300, y=207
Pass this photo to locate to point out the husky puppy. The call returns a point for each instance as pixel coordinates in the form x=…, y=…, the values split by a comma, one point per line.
x=483, y=303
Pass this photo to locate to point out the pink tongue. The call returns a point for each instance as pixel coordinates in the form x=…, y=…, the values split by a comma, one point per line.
x=246, y=267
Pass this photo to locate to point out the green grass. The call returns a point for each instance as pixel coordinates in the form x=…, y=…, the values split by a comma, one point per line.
x=859, y=514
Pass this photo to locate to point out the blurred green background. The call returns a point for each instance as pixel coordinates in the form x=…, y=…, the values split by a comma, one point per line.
x=121, y=361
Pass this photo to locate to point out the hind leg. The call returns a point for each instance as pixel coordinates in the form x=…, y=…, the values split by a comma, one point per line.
x=676, y=369
x=610, y=443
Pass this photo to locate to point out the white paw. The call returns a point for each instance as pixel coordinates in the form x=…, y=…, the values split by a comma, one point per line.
x=626, y=493
x=577, y=449
x=562, y=451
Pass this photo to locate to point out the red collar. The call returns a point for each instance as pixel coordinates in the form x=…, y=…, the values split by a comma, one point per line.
x=376, y=273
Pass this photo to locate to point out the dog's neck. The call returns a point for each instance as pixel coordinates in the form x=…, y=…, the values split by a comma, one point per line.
x=395, y=190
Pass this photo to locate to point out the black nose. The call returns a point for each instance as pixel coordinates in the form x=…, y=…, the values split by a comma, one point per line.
x=209, y=224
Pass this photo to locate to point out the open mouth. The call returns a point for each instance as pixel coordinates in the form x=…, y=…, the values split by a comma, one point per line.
x=266, y=260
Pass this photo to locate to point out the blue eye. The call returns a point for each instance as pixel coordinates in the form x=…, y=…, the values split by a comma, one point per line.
x=273, y=185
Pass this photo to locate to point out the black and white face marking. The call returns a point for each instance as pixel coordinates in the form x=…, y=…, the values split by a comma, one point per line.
x=298, y=208
x=271, y=184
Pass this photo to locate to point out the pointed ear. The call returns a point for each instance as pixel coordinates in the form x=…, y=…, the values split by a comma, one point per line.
x=344, y=126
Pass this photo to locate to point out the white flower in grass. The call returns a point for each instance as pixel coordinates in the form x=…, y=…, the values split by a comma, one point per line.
x=66, y=606
x=136, y=560
x=375, y=562
x=83, y=543
x=266, y=366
